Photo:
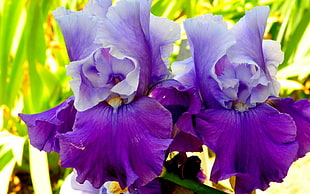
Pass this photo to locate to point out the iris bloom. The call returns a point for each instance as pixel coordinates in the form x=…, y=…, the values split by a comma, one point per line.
x=110, y=130
x=254, y=135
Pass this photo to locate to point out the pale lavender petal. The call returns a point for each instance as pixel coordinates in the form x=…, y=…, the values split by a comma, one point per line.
x=249, y=32
x=97, y=7
x=300, y=112
x=163, y=33
x=43, y=127
x=257, y=146
x=273, y=55
x=209, y=39
x=124, y=32
x=79, y=30
x=71, y=186
x=130, y=31
x=184, y=72
x=99, y=76
x=127, y=144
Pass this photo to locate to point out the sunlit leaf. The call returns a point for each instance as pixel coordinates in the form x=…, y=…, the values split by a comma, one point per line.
x=190, y=184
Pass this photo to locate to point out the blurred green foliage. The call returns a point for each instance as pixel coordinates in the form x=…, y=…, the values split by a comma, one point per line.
x=33, y=78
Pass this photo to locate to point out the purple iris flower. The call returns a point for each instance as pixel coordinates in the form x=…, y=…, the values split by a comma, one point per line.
x=255, y=136
x=111, y=130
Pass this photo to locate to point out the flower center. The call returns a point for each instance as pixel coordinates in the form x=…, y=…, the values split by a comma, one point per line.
x=240, y=107
x=116, y=78
x=115, y=102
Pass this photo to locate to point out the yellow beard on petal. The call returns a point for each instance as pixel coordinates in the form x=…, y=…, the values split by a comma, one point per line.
x=116, y=188
x=240, y=107
x=115, y=102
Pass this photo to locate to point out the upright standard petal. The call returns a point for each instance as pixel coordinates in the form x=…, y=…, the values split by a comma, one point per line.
x=97, y=7
x=43, y=127
x=130, y=30
x=262, y=56
x=257, y=146
x=126, y=144
x=300, y=112
x=79, y=30
x=234, y=66
x=209, y=40
x=249, y=32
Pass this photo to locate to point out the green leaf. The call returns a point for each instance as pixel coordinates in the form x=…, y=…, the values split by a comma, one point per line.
x=5, y=157
x=296, y=37
x=190, y=184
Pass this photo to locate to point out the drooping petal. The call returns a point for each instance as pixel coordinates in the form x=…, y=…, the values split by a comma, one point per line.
x=180, y=100
x=257, y=146
x=43, y=127
x=100, y=76
x=126, y=144
x=209, y=40
x=300, y=112
x=79, y=30
x=153, y=187
x=176, y=98
x=130, y=31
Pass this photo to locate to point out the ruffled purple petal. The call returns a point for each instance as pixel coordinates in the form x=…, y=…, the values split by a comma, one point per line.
x=153, y=187
x=79, y=30
x=126, y=144
x=257, y=146
x=209, y=39
x=176, y=98
x=43, y=127
x=180, y=100
x=130, y=31
x=300, y=112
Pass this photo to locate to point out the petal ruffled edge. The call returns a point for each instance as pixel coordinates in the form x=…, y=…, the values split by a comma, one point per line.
x=208, y=38
x=182, y=102
x=257, y=146
x=43, y=127
x=130, y=143
x=300, y=112
x=79, y=30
